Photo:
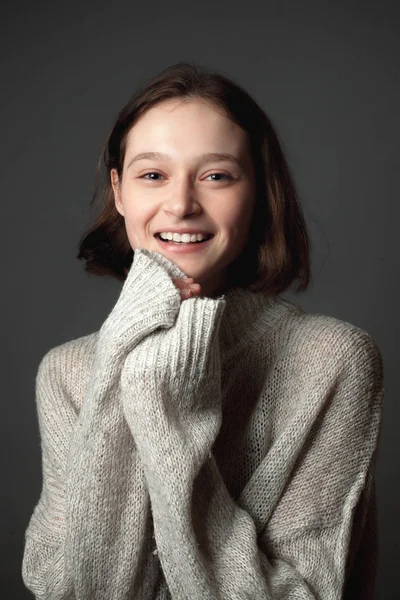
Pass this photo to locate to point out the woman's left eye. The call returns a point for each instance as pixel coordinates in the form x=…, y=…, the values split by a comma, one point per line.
x=223, y=175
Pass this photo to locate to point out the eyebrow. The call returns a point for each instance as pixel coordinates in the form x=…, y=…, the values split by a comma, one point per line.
x=208, y=157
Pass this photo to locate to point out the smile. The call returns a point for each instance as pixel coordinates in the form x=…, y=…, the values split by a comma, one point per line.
x=186, y=247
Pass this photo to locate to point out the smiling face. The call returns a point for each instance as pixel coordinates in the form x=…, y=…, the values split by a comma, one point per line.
x=185, y=189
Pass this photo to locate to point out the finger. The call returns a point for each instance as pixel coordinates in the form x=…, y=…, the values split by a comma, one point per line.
x=182, y=283
x=185, y=294
x=182, y=279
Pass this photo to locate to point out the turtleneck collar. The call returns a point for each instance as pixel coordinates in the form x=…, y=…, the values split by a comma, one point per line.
x=246, y=318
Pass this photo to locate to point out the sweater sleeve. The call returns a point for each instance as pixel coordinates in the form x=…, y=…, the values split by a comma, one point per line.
x=296, y=544
x=43, y=570
x=53, y=565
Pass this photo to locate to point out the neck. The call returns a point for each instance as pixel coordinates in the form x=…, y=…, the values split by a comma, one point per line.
x=212, y=288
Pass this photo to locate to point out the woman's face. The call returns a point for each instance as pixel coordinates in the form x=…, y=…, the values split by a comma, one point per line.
x=185, y=189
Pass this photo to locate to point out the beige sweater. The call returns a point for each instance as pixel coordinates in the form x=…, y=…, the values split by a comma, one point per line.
x=215, y=448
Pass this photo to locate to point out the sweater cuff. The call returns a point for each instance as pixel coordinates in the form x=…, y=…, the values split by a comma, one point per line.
x=188, y=353
x=196, y=339
x=149, y=299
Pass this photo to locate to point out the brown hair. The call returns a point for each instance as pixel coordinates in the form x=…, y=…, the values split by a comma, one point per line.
x=278, y=245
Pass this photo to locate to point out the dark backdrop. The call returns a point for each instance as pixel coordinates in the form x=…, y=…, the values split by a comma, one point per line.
x=327, y=73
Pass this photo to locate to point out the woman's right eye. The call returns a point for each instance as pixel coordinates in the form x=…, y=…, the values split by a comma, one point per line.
x=150, y=173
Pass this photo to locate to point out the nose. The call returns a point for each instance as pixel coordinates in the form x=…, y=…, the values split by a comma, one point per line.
x=182, y=199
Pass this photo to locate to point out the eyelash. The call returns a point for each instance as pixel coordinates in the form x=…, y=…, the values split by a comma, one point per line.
x=155, y=173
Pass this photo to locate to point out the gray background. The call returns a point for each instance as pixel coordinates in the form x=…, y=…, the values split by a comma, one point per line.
x=327, y=73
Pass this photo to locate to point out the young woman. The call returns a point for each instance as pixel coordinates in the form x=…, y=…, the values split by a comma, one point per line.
x=212, y=439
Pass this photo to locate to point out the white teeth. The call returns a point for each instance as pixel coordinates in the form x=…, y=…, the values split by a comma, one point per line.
x=185, y=237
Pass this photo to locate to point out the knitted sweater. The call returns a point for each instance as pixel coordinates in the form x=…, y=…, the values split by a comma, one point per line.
x=212, y=448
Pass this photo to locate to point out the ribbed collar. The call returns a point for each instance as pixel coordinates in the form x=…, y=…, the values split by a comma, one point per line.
x=247, y=317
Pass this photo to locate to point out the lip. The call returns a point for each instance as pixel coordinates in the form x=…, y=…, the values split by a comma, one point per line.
x=183, y=230
x=183, y=248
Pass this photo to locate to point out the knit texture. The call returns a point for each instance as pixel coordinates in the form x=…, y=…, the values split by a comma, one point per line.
x=215, y=448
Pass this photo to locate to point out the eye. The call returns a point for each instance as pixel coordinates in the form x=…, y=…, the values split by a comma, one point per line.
x=149, y=173
x=220, y=174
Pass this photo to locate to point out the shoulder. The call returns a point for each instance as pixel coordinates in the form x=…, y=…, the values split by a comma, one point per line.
x=327, y=340
x=68, y=366
x=334, y=368
x=71, y=353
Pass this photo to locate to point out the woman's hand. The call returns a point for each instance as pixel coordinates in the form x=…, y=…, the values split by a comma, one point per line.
x=187, y=287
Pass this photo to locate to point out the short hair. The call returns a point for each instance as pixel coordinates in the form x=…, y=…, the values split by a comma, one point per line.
x=277, y=248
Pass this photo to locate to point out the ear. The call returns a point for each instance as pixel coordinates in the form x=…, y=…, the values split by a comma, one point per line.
x=117, y=191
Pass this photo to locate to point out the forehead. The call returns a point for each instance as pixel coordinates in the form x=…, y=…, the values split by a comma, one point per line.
x=186, y=124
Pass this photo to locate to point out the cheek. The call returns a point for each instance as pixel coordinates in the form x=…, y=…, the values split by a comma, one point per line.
x=137, y=214
x=236, y=218
x=136, y=224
